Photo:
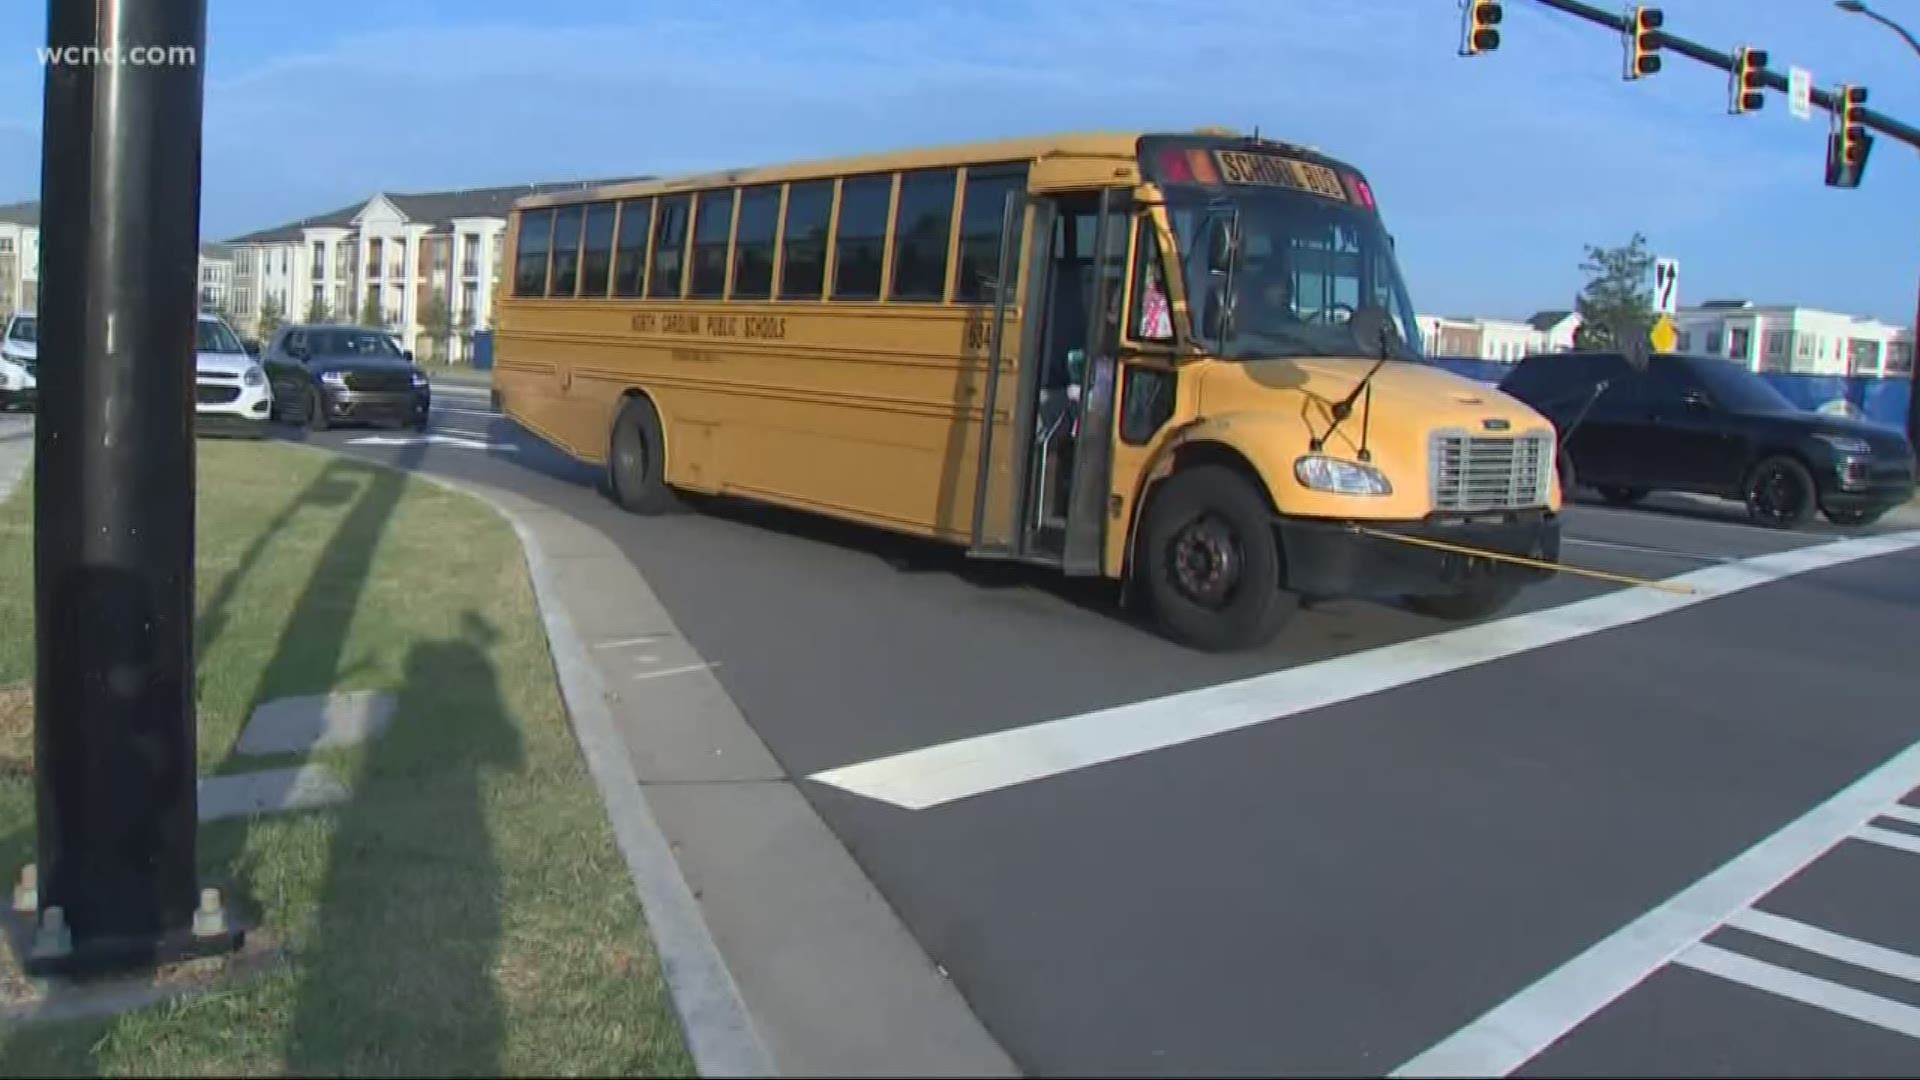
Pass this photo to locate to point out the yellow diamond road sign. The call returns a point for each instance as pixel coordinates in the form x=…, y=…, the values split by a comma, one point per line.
x=1663, y=336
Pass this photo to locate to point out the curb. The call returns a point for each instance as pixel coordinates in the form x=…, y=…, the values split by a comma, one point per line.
x=720, y=1032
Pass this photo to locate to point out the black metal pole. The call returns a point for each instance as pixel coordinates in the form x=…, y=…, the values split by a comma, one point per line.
x=114, y=479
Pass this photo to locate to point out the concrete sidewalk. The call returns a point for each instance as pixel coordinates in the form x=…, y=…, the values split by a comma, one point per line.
x=782, y=956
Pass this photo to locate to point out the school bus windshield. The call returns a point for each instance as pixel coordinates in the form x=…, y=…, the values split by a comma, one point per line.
x=1281, y=274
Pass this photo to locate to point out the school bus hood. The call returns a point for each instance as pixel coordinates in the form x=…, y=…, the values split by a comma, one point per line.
x=1404, y=392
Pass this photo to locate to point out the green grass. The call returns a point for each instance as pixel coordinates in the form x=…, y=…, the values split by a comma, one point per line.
x=468, y=911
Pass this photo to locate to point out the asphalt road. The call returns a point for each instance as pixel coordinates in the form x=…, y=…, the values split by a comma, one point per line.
x=1335, y=881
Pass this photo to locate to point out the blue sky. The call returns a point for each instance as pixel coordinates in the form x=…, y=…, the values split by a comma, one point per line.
x=1493, y=172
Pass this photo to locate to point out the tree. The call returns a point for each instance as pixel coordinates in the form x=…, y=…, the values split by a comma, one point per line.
x=1616, y=306
x=270, y=317
x=318, y=311
x=437, y=319
x=370, y=312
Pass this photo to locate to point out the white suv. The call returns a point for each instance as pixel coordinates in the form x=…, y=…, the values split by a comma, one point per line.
x=230, y=388
x=19, y=359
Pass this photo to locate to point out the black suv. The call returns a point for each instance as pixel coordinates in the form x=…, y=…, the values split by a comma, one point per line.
x=1700, y=424
x=326, y=374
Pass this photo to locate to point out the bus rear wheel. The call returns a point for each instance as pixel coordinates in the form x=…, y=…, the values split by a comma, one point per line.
x=636, y=460
x=1212, y=565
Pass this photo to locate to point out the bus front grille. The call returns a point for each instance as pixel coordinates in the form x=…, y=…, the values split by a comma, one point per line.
x=1473, y=473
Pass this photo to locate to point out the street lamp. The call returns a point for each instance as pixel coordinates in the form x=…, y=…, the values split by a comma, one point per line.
x=1857, y=7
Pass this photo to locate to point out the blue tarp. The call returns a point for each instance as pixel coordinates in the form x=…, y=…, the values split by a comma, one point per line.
x=1882, y=401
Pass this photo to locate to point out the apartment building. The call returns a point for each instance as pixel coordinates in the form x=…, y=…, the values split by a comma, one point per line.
x=394, y=258
x=1790, y=338
x=1498, y=339
x=20, y=264
x=19, y=257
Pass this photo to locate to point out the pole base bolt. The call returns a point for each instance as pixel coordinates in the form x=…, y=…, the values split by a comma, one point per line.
x=53, y=938
x=210, y=918
x=26, y=894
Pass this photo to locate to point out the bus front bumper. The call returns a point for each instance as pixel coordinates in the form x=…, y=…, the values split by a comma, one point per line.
x=1331, y=558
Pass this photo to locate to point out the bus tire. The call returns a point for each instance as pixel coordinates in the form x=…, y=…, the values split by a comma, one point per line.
x=636, y=460
x=1212, y=571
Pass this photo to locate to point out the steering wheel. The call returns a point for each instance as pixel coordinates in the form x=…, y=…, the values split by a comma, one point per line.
x=1336, y=307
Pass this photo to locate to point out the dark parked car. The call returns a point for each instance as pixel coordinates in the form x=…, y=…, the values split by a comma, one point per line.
x=324, y=375
x=1700, y=424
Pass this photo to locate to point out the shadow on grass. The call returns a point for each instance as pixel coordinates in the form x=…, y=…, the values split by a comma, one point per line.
x=396, y=974
x=398, y=977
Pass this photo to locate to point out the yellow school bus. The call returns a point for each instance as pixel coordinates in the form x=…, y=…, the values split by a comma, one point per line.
x=1183, y=361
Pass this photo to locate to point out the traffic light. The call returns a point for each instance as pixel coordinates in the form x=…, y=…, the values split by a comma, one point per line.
x=1747, y=89
x=1643, y=55
x=1479, y=27
x=1849, y=145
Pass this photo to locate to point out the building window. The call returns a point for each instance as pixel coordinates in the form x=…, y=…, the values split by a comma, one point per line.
x=803, y=247
x=374, y=247
x=6, y=245
x=1683, y=341
x=711, y=228
x=442, y=246
x=669, y=246
x=860, y=239
x=630, y=258
x=1805, y=350
x=470, y=255
x=753, y=243
x=982, y=214
x=1899, y=358
x=1776, y=344
x=319, y=259
x=1713, y=343
x=922, y=229
x=1737, y=343
x=470, y=300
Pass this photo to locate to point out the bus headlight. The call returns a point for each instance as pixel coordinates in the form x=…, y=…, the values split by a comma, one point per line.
x=1320, y=473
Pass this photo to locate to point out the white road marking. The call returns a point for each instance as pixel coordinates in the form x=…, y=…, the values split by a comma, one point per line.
x=1515, y=1031
x=465, y=412
x=441, y=429
x=1642, y=549
x=1903, y=812
x=1806, y=989
x=1898, y=841
x=433, y=438
x=675, y=671
x=1861, y=954
x=643, y=639
x=930, y=776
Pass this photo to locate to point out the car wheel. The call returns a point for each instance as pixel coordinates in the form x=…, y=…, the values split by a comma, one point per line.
x=1477, y=602
x=636, y=460
x=1854, y=518
x=1615, y=495
x=1780, y=493
x=316, y=410
x=1211, y=563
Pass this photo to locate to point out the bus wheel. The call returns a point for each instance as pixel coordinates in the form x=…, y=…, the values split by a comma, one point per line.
x=636, y=466
x=1212, y=566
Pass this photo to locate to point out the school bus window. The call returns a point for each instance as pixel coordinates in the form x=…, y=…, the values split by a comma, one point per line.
x=753, y=243
x=566, y=251
x=982, y=208
x=1151, y=317
x=803, y=262
x=921, y=232
x=669, y=246
x=530, y=258
x=630, y=261
x=859, y=249
x=596, y=258
x=712, y=225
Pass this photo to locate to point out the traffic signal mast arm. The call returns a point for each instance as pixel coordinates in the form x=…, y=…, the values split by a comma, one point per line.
x=1824, y=99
